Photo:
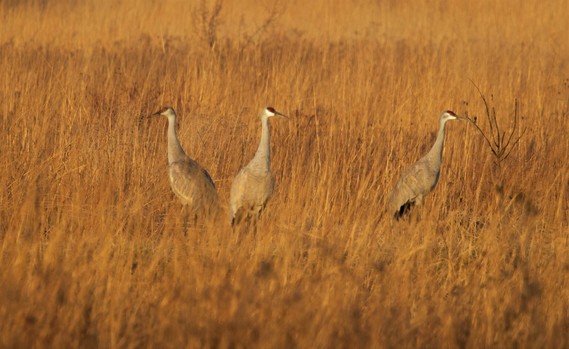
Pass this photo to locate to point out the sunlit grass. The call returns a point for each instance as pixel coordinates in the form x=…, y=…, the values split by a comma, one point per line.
x=92, y=250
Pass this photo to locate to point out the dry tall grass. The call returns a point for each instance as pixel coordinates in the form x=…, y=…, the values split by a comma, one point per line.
x=91, y=246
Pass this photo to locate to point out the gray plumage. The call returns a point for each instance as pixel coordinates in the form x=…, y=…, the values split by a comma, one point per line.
x=254, y=184
x=422, y=177
x=189, y=181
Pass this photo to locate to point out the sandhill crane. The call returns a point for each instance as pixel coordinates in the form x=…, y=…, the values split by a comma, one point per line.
x=421, y=178
x=254, y=184
x=189, y=181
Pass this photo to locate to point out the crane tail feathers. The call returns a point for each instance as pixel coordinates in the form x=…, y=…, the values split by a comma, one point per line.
x=404, y=210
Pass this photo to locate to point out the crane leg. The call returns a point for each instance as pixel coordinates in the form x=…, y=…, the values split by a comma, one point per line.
x=190, y=218
x=186, y=220
x=253, y=221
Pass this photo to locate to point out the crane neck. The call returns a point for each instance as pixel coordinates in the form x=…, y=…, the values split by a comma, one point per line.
x=262, y=159
x=436, y=151
x=175, y=150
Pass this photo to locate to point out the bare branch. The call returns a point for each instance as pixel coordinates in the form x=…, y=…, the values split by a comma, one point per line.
x=496, y=127
x=481, y=132
x=272, y=17
x=485, y=104
x=515, y=124
x=514, y=144
x=206, y=21
x=501, y=142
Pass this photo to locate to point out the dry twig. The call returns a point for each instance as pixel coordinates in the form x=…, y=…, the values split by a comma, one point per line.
x=501, y=142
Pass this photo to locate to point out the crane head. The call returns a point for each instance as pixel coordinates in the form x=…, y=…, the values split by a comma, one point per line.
x=449, y=115
x=270, y=112
x=166, y=111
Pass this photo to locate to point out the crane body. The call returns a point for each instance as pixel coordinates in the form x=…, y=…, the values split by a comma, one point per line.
x=190, y=182
x=422, y=177
x=254, y=184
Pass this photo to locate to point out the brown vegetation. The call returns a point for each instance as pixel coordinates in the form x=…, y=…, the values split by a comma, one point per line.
x=91, y=246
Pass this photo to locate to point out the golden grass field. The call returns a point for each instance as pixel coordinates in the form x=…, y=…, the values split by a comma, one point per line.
x=92, y=250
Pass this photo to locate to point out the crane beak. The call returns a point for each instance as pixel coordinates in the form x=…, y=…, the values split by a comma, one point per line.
x=152, y=115
x=143, y=117
x=281, y=115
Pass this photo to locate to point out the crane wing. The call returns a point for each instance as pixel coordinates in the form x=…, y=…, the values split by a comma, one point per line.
x=250, y=192
x=413, y=183
x=191, y=183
